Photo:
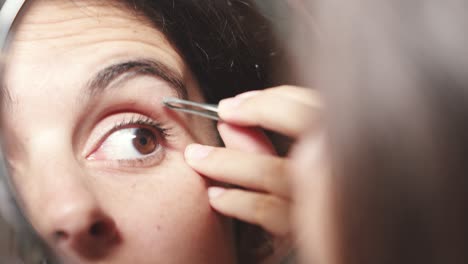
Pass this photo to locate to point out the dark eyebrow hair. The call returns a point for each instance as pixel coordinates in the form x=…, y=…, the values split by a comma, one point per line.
x=129, y=69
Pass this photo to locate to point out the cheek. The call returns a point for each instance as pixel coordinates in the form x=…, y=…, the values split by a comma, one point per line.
x=169, y=211
x=167, y=191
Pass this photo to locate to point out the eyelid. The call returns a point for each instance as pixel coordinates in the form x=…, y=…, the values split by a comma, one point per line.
x=148, y=160
x=110, y=124
x=161, y=132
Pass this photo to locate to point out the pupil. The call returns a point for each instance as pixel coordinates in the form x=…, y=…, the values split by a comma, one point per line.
x=145, y=141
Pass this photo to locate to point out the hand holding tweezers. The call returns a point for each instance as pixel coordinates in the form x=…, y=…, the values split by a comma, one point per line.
x=204, y=110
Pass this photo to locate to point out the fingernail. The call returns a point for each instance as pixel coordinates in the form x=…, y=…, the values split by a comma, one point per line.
x=214, y=192
x=197, y=152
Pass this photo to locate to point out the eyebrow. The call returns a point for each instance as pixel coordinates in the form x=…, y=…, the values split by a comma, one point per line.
x=129, y=69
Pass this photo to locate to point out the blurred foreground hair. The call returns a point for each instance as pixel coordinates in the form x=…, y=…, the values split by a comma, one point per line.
x=395, y=74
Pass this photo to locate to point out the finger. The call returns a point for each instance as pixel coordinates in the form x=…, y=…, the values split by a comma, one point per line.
x=252, y=171
x=268, y=211
x=307, y=96
x=304, y=95
x=248, y=139
x=271, y=109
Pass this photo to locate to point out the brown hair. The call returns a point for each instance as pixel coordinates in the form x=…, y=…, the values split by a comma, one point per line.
x=228, y=45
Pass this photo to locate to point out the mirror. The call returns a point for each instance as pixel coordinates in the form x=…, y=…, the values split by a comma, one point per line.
x=94, y=160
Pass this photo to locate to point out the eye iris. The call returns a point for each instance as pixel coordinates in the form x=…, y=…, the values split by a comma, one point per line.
x=145, y=141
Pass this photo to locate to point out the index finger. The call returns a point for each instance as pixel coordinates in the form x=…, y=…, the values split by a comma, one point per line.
x=286, y=110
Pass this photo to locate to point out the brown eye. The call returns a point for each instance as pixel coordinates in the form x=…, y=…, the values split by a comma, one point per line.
x=145, y=141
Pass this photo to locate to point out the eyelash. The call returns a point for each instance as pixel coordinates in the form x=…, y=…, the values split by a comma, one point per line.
x=164, y=132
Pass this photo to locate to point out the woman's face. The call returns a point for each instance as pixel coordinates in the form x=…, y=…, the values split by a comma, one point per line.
x=96, y=160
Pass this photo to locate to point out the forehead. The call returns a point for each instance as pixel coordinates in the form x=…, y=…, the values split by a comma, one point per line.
x=72, y=38
x=67, y=24
x=66, y=34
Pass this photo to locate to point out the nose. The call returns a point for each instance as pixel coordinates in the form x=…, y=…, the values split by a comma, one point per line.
x=82, y=227
x=72, y=219
x=63, y=201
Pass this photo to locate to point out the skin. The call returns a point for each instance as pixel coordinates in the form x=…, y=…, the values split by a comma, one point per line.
x=313, y=195
x=297, y=186
x=271, y=183
x=87, y=205
x=257, y=169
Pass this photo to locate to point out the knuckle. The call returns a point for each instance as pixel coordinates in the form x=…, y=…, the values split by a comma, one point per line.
x=263, y=205
x=273, y=173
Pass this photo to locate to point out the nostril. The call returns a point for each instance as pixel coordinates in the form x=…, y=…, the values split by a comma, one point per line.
x=91, y=235
x=100, y=228
x=60, y=235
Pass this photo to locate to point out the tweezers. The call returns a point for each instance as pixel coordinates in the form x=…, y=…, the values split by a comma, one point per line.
x=204, y=110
